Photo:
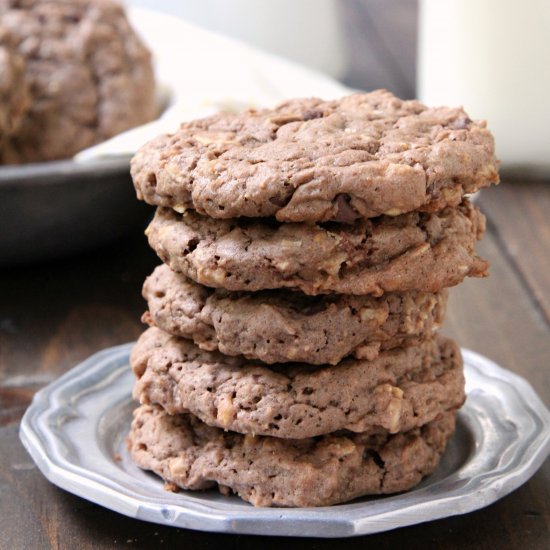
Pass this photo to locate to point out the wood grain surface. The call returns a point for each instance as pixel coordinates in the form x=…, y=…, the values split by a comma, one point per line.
x=54, y=315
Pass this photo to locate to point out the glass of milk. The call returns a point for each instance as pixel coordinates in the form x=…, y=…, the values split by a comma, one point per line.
x=492, y=57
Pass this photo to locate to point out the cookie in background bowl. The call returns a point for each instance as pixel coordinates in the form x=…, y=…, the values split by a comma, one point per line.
x=14, y=93
x=89, y=74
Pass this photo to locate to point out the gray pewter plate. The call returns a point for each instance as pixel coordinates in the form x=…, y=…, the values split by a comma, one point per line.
x=75, y=431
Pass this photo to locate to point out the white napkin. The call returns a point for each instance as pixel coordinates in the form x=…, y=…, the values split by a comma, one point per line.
x=202, y=73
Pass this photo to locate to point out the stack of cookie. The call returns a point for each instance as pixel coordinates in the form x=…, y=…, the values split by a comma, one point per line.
x=293, y=356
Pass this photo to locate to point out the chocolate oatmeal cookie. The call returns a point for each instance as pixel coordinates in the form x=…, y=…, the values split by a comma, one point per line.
x=89, y=74
x=267, y=471
x=415, y=251
x=280, y=326
x=312, y=160
x=399, y=390
x=14, y=92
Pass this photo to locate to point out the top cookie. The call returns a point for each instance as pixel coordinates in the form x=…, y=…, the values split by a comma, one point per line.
x=312, y=160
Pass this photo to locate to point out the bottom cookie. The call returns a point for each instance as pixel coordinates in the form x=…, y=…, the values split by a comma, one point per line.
x=267, y=471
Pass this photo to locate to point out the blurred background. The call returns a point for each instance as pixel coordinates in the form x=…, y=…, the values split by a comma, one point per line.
x=492, y=57
x=366, y=44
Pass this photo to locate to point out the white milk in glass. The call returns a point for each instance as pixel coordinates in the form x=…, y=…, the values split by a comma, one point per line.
x=492, y=57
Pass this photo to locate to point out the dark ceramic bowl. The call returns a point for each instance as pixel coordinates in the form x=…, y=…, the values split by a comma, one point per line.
x=52, y=209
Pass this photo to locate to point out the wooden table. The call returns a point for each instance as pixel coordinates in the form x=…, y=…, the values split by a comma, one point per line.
x=54, y=315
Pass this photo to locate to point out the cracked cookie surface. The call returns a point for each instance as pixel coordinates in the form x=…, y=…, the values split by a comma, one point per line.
x=312, y=160
x=415, y=251
x=89, y=74
x=280, y=326
x=399, y=390
x=267, y=471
